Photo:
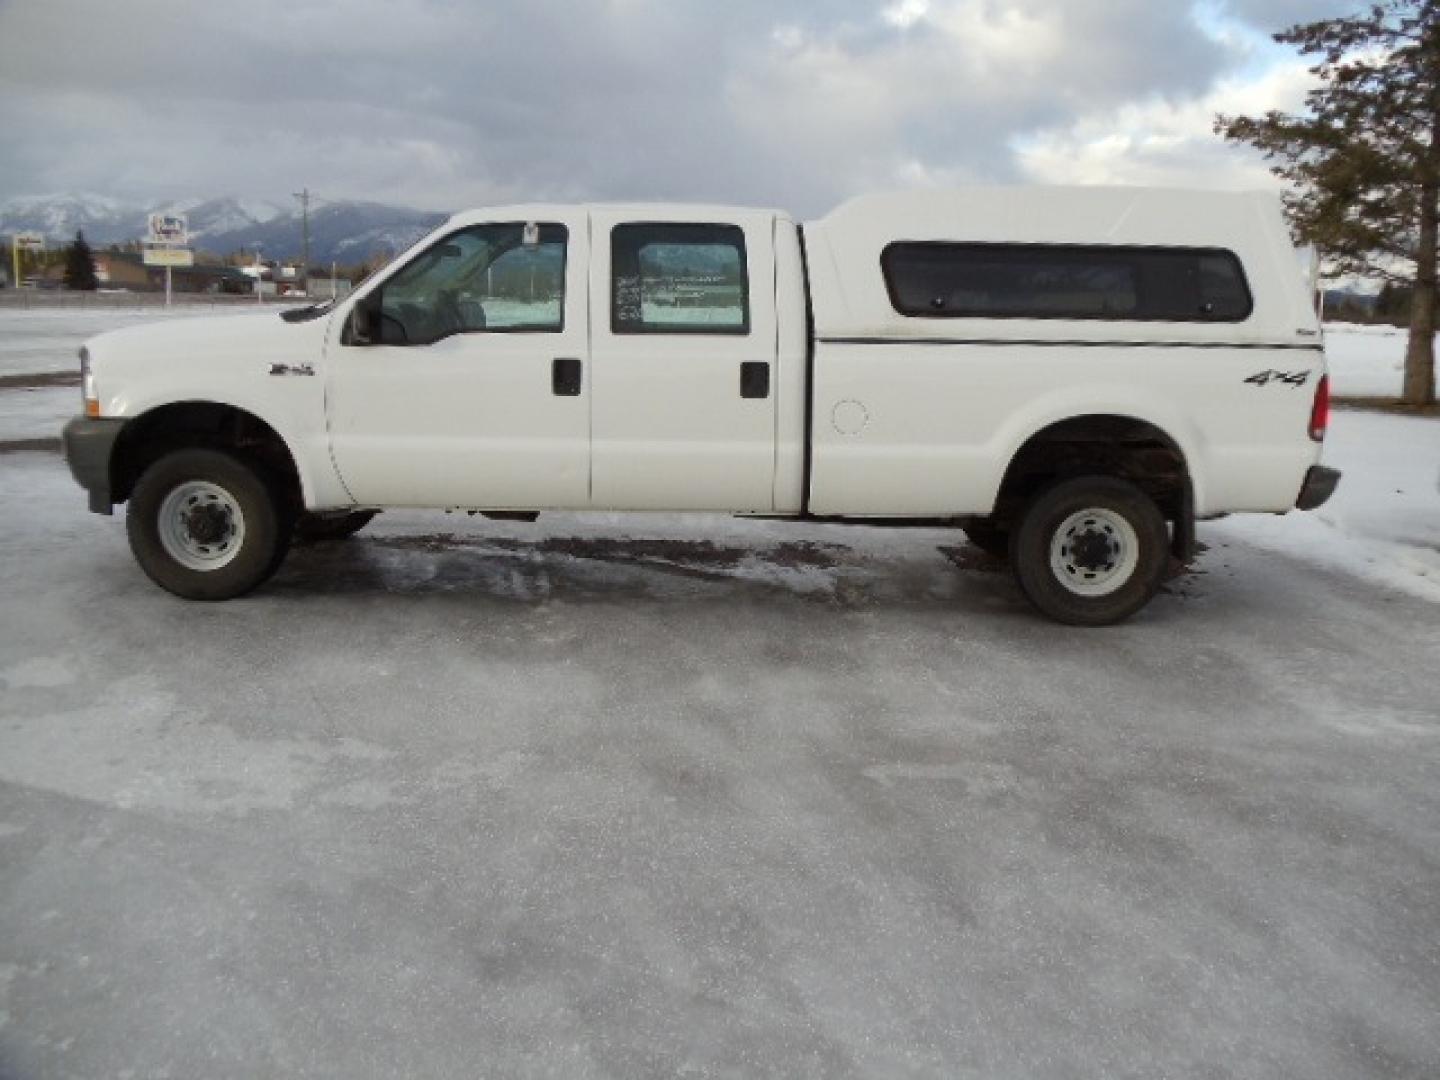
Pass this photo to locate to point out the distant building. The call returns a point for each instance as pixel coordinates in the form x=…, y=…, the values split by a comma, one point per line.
x=273, y=279
x=116, y=271
x=126, y=270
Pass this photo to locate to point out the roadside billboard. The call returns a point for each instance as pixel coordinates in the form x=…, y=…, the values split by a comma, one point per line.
x=169, y=229
x=159, y=255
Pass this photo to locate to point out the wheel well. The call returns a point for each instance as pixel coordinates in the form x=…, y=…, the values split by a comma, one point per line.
x=149, y=437
x=1118, y=446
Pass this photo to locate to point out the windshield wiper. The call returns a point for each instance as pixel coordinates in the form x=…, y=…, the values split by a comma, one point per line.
x=310, y=311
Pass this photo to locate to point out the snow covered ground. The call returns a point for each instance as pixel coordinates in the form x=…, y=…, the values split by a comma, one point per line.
x=1365, y=361
x=1383, y=522
x=609, y=796
x=36, y=412
x=46, y=339
x=619, y=797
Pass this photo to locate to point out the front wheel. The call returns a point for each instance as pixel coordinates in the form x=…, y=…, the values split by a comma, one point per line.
x=1090, y=551
x=205, y=525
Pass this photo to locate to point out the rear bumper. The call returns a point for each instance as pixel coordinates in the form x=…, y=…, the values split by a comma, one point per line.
x=88, y=446
x=1319, y=485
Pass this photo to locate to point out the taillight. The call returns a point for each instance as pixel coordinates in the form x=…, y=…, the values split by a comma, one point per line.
x=1320, y=411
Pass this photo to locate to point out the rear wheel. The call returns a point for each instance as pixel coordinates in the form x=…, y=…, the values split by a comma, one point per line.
x=206, y=525
x=1090, y=551
x=322, y=528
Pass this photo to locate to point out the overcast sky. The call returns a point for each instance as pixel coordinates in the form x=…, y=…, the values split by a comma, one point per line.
x=447, y=103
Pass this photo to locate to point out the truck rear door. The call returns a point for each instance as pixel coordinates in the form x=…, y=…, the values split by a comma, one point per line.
x=683, y=357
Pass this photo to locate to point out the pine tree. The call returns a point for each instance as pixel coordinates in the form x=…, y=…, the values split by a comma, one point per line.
x=1363, y=159
x=1393, y=303
x=80, y=265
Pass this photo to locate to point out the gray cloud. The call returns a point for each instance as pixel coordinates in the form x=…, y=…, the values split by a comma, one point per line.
x=1273, y=15
x=440, y=104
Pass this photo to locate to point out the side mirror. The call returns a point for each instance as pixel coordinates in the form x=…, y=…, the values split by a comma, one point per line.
x=361, y=329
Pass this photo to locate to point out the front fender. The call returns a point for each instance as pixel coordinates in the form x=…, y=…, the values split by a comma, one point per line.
x=261, y=364
x=303, y=434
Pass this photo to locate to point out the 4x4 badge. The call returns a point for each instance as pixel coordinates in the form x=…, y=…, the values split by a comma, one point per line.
x=1289, y=378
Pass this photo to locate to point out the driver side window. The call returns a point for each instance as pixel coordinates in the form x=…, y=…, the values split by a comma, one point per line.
x=485, y=278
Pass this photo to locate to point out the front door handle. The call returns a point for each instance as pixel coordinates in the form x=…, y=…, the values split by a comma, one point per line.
x=565, y=376
x=755, y=379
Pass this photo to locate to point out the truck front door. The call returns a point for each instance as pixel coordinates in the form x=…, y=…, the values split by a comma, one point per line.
x=683, y=348
x=464, y=382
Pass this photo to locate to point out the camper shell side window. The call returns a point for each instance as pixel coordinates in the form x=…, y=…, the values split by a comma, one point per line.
x=945, y=280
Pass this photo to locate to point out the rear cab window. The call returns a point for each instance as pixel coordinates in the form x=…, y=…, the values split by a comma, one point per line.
x=939, y=280
x=675, y=278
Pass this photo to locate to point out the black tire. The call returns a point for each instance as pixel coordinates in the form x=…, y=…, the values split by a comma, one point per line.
x=1135, y=569
x=324, y=528
x=989, y=538
x=263, y=529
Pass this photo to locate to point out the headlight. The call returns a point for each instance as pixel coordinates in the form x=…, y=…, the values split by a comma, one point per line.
x=87, y=384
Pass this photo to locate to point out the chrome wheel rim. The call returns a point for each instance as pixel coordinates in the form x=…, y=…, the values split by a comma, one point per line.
x=1094, y=552
x=201, y=525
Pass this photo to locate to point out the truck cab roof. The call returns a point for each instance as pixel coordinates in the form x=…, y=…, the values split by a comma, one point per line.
x=653, y=211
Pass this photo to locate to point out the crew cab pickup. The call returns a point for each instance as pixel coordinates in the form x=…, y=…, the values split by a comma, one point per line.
x=1071, y=375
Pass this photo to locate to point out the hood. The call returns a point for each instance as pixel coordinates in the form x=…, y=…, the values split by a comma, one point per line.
x=205, y=340
x=222, y=358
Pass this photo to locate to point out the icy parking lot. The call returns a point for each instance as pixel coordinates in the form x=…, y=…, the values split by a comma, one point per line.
x=605, y=796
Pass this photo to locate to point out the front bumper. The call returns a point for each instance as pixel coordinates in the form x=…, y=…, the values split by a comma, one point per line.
x=1319, y=485
x=89, y=443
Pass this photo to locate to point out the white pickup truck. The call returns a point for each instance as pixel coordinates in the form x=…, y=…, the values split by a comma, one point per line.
x=1071, y=375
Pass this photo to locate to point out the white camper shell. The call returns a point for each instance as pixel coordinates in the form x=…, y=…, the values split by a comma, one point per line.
x=973, y=390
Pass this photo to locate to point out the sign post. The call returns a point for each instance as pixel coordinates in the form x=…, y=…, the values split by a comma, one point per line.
x=259, y=275
x=24, y=241
x=165, y=246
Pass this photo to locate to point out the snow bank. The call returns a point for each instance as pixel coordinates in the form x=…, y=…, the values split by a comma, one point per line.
x=37, y=413
x=1365, y=361
x=1384, y=521
x=42, y=340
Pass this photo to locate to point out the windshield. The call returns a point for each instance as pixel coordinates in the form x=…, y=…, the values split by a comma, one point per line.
x=484, y=278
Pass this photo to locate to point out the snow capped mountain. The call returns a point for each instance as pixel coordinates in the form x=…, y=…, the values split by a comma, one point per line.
x=258, y=211
x=346, y=232
x=215, y=217
x=58, y=216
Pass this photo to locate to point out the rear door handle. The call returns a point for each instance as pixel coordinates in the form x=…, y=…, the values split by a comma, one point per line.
x=565, y=376
x=755, y=379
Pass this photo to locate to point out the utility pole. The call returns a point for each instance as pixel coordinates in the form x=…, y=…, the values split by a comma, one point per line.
x=304, y=196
